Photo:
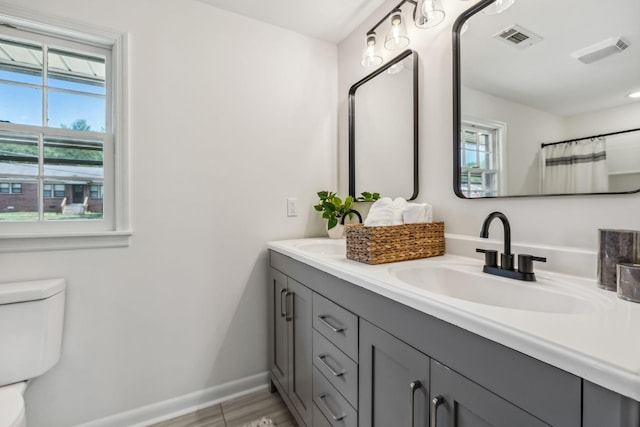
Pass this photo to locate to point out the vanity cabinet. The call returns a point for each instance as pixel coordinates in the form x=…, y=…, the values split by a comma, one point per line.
x=328, y=334
x=291, y=337
x=394, y=380
x=457, y=401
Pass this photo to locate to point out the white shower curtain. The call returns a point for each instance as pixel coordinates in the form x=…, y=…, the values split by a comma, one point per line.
x=575, y=167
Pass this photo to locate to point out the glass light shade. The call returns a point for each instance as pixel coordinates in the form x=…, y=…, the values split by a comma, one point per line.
x=498, y=6
x=371, y=55
x=428, y=13
x=634, y=95
x=397, y=36
x=396, y=68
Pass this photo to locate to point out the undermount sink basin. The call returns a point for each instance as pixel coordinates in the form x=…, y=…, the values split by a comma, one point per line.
x=467, y=283
x=325, y=247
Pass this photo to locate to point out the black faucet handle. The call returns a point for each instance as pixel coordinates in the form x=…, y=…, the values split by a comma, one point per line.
x=525, y=262
x=490, y=257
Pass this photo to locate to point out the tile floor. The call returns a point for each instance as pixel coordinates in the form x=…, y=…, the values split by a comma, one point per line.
x=236, y=413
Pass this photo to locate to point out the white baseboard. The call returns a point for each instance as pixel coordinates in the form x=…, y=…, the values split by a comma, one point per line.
x=185, y=404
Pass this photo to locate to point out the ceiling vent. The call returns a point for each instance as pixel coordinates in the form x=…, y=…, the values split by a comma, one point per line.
x=600, y=50
x=517, y=36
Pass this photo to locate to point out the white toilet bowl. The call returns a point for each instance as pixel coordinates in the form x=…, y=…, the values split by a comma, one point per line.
x=12, y=405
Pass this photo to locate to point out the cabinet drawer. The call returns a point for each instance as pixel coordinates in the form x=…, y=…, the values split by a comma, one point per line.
x=333, y=406
x=318, y=419
x=341, y=371
x=337, y=324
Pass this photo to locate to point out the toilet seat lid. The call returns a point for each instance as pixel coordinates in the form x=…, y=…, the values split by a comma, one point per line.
x=11, y=407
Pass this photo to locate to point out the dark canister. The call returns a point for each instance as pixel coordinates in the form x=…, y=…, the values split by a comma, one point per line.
x=616, y=247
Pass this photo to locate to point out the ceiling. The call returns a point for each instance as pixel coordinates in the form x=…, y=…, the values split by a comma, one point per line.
x=329, y=20
x=544, y=75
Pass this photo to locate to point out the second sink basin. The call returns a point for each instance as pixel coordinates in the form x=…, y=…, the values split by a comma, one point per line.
x=467, y=283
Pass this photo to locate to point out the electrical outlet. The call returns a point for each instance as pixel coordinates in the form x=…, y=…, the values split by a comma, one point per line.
x=292, y=206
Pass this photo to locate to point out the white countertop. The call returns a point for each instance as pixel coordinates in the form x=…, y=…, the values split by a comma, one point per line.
x=601, y=346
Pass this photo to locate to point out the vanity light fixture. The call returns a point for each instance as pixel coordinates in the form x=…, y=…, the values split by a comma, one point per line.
x=634, y=95
x=498, y=6
x=426, y=14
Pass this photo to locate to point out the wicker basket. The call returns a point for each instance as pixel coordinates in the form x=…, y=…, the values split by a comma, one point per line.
x=382, y=244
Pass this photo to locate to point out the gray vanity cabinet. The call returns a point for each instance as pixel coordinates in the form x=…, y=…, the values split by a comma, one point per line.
x=458, y=402
x=291, y=365
x=394, y=381
x=326, y=335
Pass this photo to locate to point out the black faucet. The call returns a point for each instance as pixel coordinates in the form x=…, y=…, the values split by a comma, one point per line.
x=506, y=268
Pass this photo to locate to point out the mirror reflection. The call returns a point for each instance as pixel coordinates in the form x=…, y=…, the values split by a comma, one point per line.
x=383, y=130
x=542, y=99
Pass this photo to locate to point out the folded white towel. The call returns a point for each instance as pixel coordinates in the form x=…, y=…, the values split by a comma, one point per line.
x=398, y=206
x=417, y=212
x=380, y=213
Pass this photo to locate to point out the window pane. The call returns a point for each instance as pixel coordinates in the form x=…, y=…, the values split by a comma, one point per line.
x=70, y=157
x=471, y=159
x=75, y=111
x=20, y=104
x=19, y=206
x=18, y=154
x=78, y=72
x=59, y=190
x=20, y=62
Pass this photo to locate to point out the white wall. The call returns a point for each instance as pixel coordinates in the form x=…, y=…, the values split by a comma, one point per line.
x=229, y=117
x=562, y=221
x=526, y=128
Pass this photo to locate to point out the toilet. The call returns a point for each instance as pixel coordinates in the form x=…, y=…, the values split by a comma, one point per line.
x=31, y=317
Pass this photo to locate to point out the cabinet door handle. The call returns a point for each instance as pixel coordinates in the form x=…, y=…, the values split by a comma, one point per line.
x=435, y=402
x=412, y=400
x=326, y=408
x=323, y=319
x=288, y=316
x=283, y=313
x=335, y=373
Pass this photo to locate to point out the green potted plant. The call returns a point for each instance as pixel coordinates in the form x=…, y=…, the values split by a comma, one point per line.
x=333, y=208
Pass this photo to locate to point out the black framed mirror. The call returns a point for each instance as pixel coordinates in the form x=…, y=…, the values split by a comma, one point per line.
x=383, y=130
x=541, y=103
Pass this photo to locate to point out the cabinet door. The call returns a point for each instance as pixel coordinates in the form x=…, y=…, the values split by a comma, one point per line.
x=393, y=381
x=300, y=351
x=463, y=403
x=279, y=328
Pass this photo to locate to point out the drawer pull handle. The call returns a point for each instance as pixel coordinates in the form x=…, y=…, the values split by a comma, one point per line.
x=283, y=313
x=412, y=401
x=435, y=402
x=325, y=322
x=329, y=368
x=326, y=408
x=288, y=316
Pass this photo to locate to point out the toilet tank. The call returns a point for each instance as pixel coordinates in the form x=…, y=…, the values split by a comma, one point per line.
x=31, y=317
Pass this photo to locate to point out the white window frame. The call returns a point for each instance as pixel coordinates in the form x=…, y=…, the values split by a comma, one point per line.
x=114, y=230
x=500, y=131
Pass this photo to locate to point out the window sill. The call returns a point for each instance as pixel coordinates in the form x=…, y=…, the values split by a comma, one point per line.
x=53, y=242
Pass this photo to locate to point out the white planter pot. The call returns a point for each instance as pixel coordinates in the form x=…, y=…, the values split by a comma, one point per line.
x=337, y=232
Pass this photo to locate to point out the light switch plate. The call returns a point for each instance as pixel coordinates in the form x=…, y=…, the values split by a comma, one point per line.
x=292, y=206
